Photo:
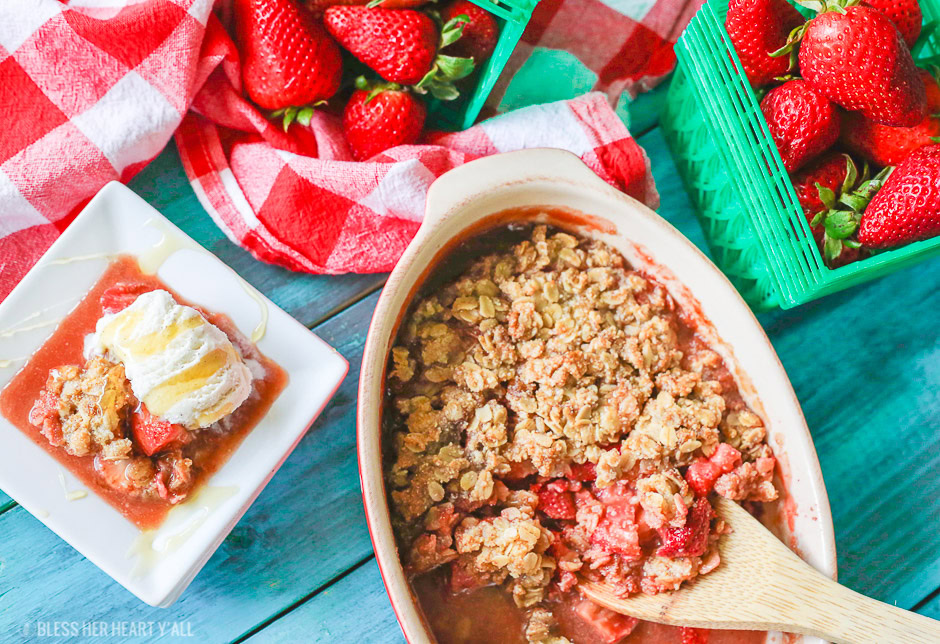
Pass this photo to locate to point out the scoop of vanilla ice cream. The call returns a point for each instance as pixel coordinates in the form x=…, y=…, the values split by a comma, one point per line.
x=182, y=367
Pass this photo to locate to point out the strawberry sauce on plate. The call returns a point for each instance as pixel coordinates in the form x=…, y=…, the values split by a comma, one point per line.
x=206, y=449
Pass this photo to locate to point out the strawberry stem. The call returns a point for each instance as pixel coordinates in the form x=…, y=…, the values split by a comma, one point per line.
x=302, y=114
x=453, y=30
x=791, y=48
x=376, y=87
x=440, y=80
x=844, y=214
x=822, y=6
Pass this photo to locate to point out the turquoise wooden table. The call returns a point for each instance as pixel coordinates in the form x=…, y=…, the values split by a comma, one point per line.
x=299, y=566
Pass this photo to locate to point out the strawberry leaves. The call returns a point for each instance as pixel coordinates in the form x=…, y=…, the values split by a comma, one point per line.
x=844, y=212
x=447, y=70
x=440, y=80
x=453, y=30
x=289, y=115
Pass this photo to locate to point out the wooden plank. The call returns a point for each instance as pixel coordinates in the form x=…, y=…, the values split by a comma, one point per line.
x=864, y=364
x=674, y=206
x=931, y=607
x=305, y=529
x=643, y=111
x=309, y=298
x=326, y=616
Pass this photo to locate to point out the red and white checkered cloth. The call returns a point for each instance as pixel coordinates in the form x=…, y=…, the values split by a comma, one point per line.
x=91, y=91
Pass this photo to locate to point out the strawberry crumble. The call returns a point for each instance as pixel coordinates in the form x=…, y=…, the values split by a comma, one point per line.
x=551, y=416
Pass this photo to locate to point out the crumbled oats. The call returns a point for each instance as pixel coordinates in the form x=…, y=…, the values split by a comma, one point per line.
x=404, y=366
x=744, y=430
x=549, y=357
x=666, y=497
x=662, y=574
x=92, y=403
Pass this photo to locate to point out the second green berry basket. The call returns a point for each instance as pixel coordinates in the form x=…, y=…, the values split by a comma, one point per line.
x=744, y=199
x=512, y=16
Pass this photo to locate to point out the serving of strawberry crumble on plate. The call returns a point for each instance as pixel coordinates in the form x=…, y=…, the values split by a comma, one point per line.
x=139, y=395
x=148, y=394
x=552, y=414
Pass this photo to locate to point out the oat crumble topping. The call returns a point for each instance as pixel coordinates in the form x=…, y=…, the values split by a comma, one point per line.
x=545, y=422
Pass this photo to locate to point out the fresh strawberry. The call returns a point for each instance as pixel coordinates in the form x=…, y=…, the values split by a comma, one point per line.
x=829, y=171
x=317, y=7
x=818, y=187
x=555, y=501
x=885, y=145
x=802, y=122
x=381, y=117
x=757, y=28
x=907, y=208
x=834, y=227
x=288, y=59
x=855, y=57
x=479, y=34
x=401, y=46
x=837, y=174
x=153, y=434
x=905, y=14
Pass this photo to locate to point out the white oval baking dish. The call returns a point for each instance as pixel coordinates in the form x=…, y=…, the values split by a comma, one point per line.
x=464, y=201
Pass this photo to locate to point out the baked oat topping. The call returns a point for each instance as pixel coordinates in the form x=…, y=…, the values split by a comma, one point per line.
x=549, y=415
x=81, y=409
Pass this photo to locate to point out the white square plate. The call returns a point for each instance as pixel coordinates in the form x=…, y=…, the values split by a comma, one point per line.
x=155, y=566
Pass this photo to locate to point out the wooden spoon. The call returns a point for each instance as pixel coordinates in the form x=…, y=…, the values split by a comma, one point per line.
x=762, y=585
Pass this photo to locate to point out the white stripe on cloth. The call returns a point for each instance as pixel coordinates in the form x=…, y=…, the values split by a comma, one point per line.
x=16, y=213
x=230, y=183
x=539, y=126
x=401, y=192
x=19, y=19
x=132, y=122
x=635, y=9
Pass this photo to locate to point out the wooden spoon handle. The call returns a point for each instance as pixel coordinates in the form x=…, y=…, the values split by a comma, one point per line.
x=835, y=613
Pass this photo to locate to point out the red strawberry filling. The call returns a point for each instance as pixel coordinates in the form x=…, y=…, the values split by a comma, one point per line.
x=464, y=576
x=583, y=471
x=122, y=295
x=617, y=531
x=152, y=433
x=703, y=472
x=609, y=626
x=45, y=415
x=691, y=539
x=693, y=635
x=555, y=501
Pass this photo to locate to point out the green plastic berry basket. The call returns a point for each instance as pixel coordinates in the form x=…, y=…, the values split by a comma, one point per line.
x=512, y=16
x=732, y=171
